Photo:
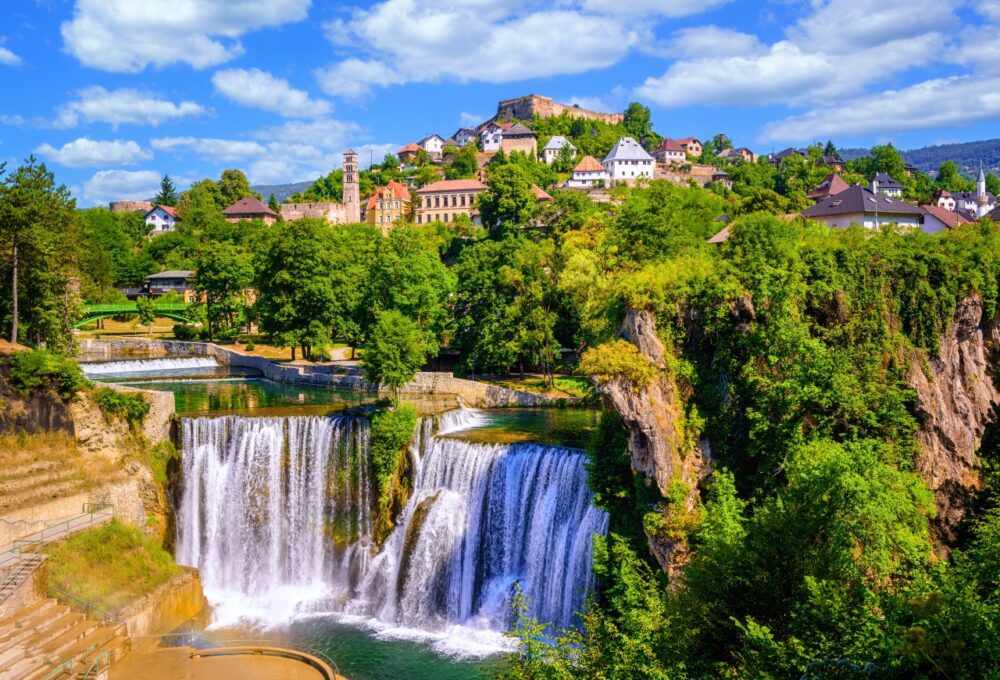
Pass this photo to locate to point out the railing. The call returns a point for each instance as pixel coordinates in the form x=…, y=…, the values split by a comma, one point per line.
x=64, y=667
x=313, y=657
x=106, y=617
x=126, y=307
x=93, y=513
x=102, y=660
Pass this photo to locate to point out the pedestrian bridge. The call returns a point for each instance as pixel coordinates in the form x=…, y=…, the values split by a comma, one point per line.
x=170, y=310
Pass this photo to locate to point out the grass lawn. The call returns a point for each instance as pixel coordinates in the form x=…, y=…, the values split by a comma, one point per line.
x=109, y=566
x=564, y=386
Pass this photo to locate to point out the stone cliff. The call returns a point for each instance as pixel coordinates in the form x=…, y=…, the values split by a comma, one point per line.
x=653, y=416
x=955, y=396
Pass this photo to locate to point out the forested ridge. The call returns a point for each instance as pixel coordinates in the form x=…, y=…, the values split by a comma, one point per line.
x=804, y=547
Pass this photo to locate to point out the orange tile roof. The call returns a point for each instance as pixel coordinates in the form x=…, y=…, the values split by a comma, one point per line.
x=408, y=148
x=688, y=140
x=589, y=164
x=540, y=193
x=453, y=185
x=721, y=237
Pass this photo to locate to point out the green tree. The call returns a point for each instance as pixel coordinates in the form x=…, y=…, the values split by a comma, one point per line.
x=233, y=186
x=720, y=142
x=463, y=164
x=272, y=203
x=223, y=281
x=949, y=178
x=394, y=353
x=167, y=194
x=564, y=160
x=147, y=313
x=37, y=244
x=297, y=298
x=638, y=121
x=509, y=203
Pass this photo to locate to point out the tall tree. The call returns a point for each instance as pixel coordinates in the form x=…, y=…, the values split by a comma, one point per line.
x=234, y=185
x=37, y=247
x=509, y=204
x=225, y=275
x=395, y=352
x=638, y=121
x=272, y=203
x=167, y=194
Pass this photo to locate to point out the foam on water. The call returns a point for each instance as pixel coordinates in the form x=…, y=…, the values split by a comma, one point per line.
x=148, y=366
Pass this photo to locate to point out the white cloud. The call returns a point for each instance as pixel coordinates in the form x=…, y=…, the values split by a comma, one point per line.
x=132, y=107
x=989, y=8
x=592, y=103
x=88, y=153
x=466, y=119
x=669, y=8
x=838, y=49
x=301, y=150
x=495, y=42
x=261, y=90
x=127, y=36
x=939, y=103
x=124, y=185
x=695, y=42
x=9, y=58
x=211, y=148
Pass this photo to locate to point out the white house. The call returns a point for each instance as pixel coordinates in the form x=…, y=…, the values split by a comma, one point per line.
x=552, y=148
x=491, y=137
x=588, y=173
x=628, y=161
x=938, y=219
x=944, y=199
x=433, y=145
x=464, y=136
x=161, y=219
x=887, y=185
x=858, y=205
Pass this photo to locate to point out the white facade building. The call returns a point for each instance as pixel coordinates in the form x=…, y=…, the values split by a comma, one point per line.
x=628, y=161
x=587, y=174
x=491, y=138
x=552, y=148
x=433, y=145
x=161, y=219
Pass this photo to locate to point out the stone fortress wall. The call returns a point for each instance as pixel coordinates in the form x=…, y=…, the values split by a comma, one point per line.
x=527, y=107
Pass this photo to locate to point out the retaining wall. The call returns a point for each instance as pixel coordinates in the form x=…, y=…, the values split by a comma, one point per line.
x=166, y=608
x=472, y=393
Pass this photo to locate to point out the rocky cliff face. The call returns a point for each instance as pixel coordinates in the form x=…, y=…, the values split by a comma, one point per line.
x=654, y=419
x=955, y=396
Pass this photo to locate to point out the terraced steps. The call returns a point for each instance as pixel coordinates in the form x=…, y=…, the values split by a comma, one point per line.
x=39, y=491
x=47, y=636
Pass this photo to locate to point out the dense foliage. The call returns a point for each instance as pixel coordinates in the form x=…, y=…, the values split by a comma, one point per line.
x=131, y=407
x=37, y=368
x=391, y=431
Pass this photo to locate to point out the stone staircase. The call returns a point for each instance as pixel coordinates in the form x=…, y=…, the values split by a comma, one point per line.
x=17, y=575
x=32, y=482
x=47, y=640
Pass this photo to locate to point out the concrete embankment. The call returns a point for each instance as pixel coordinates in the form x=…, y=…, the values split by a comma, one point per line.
x=164, y=609
x=472, y=393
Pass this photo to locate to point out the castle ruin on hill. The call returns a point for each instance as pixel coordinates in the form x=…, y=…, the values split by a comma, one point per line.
x=529, y=106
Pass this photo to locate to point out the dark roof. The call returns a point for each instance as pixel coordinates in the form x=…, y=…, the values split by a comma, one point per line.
x=249, y=206
x=830, y=186
x=994, y=215
x=518, y=130
x=887, y=182
x=832, y=160
x=786, y=153
x=671, y=145
x=177, y=274
x=858, y=200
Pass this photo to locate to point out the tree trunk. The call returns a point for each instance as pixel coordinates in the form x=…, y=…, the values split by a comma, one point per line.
x=14, y=310
x=293, y=352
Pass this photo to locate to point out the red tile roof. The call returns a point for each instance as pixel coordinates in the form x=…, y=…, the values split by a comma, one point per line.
x=167, y=209
x=688, y=140
x=398, y=191
x=453, y=185
x=721, y=237
x=409, y=148
x=830, y=186
x=670, y=145
x=949, y=218
x=540, y=193
x=249, y=206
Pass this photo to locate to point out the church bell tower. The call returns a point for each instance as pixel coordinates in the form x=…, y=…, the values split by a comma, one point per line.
x=352, y=200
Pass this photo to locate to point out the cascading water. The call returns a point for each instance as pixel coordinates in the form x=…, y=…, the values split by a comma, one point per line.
x=275, y=512
x=171, y=365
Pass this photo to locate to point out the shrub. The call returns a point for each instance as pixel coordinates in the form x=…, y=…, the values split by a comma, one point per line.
x=226, y=336
x=39, y=368
x=183, y=331
x=131, y=406
x=390, y=433
x=618, y=359
x=160, y=457
x=250, y=346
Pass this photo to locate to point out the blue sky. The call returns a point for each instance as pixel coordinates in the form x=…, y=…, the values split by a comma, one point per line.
x=114, y=93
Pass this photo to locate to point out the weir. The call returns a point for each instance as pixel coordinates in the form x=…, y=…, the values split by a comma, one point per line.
x=170, y=365
x=276, y=514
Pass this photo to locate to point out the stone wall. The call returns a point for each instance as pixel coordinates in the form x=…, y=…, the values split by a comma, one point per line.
x=166, y=608
x=527, y=107
x=472, y=393
x=130, y=206
x=28, y=593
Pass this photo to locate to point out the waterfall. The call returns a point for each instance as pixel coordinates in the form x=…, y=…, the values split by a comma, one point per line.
x=275, y=513
x=148, y=365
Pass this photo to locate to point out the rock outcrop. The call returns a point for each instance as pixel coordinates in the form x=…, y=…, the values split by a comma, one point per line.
x=653, y=416
x=955, y=397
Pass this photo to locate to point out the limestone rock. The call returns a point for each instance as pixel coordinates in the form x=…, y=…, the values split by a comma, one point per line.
x=954, y=404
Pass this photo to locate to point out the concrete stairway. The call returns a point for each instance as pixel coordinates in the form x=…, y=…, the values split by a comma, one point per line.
x=48, y=640
x=20, y=573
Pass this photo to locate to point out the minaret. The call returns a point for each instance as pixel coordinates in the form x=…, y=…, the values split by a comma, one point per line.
x=982, y=201
x=352, y=201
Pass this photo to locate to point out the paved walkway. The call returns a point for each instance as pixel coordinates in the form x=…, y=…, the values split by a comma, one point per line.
x=14, y=552
x=175, y=663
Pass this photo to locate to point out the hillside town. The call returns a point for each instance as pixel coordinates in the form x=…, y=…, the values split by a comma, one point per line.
x=439, y=179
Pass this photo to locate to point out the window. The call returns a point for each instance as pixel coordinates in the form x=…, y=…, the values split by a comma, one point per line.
x=454, y=200
x=463, y=199
x=420, y=219
x=446, y=217
x=437, y=201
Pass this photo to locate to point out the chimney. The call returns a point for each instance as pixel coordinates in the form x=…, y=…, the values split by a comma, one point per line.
x=874, y=186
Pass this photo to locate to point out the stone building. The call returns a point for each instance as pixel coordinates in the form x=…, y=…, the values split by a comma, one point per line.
x=352, y=191
x=529, y=106
x=348, y=212
x=447, y=200
x=519, y=138
x=130, y=206
x=249, y=209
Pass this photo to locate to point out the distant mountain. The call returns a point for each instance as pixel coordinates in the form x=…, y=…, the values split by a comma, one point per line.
x=928, y=158
x=280, y=191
